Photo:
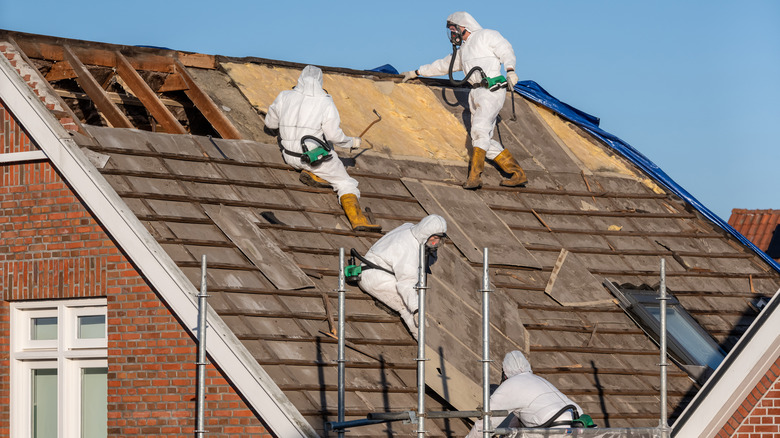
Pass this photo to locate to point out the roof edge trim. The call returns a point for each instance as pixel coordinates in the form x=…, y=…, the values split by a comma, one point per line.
x=249, y=377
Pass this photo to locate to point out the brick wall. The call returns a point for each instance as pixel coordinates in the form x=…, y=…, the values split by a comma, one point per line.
x=759, y=414
x=51, y=247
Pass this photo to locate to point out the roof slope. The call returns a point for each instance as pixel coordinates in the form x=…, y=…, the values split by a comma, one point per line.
x=587, y=215
x=760, y=226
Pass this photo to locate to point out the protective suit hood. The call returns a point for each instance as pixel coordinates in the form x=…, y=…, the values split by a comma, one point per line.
x=464, y=19
x=310, y=82
x=515, y=363
x=428, y=226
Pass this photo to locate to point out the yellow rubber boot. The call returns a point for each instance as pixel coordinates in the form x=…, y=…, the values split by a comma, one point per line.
x=508, y=164
x=357, y=219
x=475, y=169
x=313, y=180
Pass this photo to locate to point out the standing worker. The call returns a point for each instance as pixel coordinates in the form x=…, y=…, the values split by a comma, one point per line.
x=397, y=260
x=484, y=50
x=307, y=118
x=531, y=398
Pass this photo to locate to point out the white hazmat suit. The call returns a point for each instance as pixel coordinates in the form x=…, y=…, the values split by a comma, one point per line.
x=531, y=398
x=398, y=251
x=487, y=49
x=308, y=110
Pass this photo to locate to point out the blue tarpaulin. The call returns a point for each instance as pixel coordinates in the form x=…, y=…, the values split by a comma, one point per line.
x=589, y=123
x=387, y=68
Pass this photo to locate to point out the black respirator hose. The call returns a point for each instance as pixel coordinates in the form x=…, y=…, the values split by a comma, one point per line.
x=468, y=75
x=324, y=143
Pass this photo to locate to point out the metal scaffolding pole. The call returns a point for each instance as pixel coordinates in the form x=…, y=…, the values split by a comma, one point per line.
x=421, y=288
x=663, y=423
x=200, y=429
x=341, y=361
x=487, y=429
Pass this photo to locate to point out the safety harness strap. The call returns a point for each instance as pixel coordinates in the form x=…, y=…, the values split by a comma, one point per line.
x=368, y=264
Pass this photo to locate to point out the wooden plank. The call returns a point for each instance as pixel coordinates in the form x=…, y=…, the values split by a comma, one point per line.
x=571, y=284
x=197, y=60
x=125, y=99
x=113, y=114
x=60, y=70
x=471, y=224
x=104, y=57
x=149, y=98
x=173, y=82
x=207, y=106
x=239, y=225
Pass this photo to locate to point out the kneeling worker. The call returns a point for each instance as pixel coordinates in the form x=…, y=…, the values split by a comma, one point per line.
x=396, y=256
x=532, y=399
x=306, y=117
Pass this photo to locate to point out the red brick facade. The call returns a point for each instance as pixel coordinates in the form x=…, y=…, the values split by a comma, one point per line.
x=759, y=414
x=52, y=247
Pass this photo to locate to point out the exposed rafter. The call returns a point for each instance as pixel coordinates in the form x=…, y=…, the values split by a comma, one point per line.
x=206, y=105
x=149, y=98
x=110, y=110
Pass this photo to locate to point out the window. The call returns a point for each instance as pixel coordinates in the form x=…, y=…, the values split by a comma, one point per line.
x=59, y=369
x=687, y=341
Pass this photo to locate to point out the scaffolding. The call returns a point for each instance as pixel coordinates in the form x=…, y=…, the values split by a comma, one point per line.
x=420, y=415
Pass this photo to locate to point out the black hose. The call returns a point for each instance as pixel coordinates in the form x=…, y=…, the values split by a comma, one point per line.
x=552, y=423
x=324, y=143
x=468, y=75
x=353, y=252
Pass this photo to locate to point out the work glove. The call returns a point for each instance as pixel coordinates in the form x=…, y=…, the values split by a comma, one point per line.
x=409, y=75
x=511, y=78
x=355, y=144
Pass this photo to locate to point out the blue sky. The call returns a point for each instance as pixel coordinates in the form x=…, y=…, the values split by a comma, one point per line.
x=693, y=85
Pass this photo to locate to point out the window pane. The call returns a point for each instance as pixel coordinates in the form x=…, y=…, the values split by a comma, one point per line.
x=94, y=402
x=92, y=327
x=703, y=352
x=44, y=403
x=43, y=329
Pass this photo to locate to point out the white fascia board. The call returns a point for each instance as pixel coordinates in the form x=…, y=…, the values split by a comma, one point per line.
x=735, y=378
x=22, y=157
x=165, y=277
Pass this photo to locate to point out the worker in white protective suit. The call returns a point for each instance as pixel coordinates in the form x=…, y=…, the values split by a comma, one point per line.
x=397, y=255
x=486, y=49
x=531, y=398
x=307, y=110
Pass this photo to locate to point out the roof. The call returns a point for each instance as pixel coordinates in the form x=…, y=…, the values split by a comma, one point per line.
x=202, y=177
x=760, y=226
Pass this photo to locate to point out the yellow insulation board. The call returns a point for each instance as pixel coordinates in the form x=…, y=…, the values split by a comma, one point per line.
x=592, y=156
x=414, y=122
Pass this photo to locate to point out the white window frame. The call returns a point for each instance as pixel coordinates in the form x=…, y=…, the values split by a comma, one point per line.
x=67, y=354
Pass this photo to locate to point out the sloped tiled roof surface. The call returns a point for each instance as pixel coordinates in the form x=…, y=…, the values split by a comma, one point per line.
x=760, y=226
x=272, y=243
